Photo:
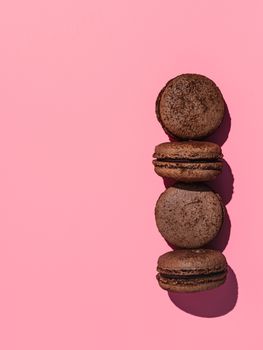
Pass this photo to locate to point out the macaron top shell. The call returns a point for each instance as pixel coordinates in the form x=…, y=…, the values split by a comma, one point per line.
x=192, y=261
x=188, y=150
x=190, y=106
x=189, y=215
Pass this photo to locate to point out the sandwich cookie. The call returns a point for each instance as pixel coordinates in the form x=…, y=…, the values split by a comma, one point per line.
x=188, y=161
x=190, y=107
x=189, y=215
x=191, y=270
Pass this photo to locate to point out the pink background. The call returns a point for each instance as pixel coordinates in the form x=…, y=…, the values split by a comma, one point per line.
x=78, y=241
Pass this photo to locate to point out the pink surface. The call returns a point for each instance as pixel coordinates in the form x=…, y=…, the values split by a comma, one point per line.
x=78, y=241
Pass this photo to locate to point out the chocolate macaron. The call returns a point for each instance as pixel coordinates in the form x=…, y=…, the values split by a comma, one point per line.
x=190, y=107
x=189, y=215
x=191, y=270
x=188, y=161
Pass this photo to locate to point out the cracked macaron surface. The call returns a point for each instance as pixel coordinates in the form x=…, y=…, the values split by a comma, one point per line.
x=190, y=106
x=189, y=215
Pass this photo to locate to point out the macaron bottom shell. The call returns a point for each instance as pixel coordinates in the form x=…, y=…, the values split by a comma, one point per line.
x=191, y=285
x=187, y=173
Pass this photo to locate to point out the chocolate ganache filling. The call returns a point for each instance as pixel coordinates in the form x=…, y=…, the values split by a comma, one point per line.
x=188, y=277
x=181, y=160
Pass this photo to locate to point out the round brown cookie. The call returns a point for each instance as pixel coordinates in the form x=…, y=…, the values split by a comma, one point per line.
x=190, y=106
x=189, y=215
x=191, y=270
x=188, y=161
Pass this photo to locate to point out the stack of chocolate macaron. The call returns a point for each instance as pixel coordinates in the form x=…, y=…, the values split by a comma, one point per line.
x=189, y=214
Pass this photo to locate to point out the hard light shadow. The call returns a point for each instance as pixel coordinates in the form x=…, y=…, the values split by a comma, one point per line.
x=224, y=183
x=221, y=134
x=221, y=239
x=212, y=303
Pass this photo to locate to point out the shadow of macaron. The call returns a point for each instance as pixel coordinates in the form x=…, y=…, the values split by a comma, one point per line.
x=221, y=239
x=221, y=134
x=224, y=183
x=212, y=303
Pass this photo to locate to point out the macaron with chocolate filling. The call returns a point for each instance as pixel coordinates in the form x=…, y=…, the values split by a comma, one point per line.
x=190, y=107
x=188, y=161
x=191, y=270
